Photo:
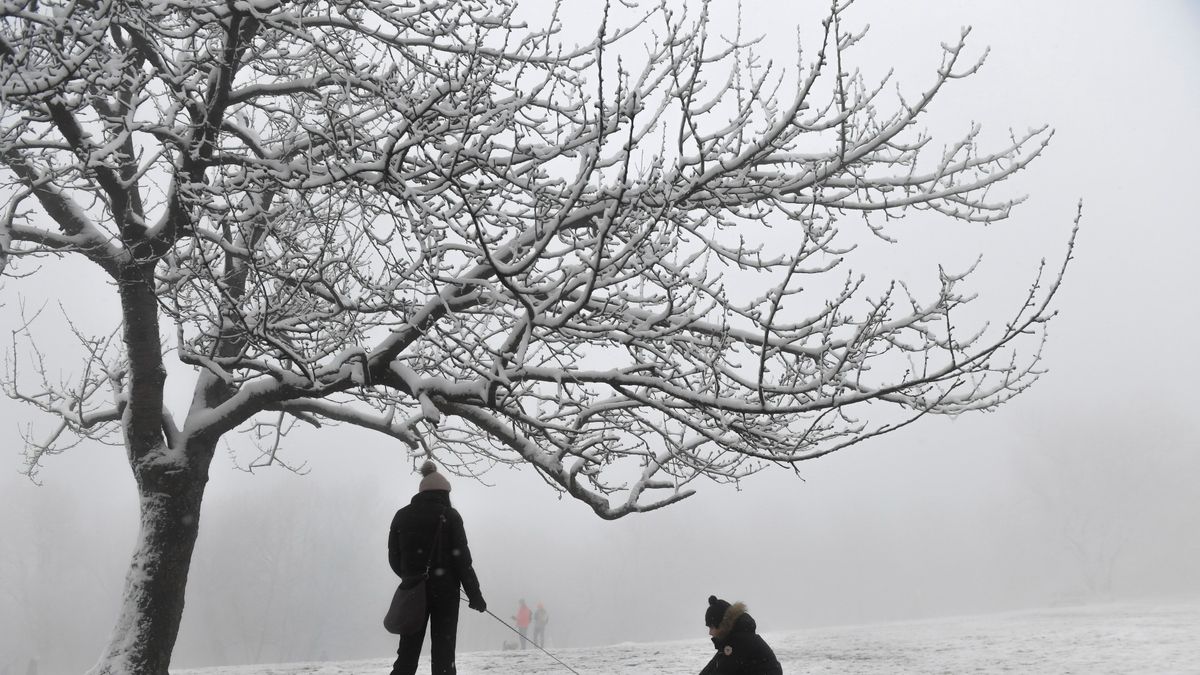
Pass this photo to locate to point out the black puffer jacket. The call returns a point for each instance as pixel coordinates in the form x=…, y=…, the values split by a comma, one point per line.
x=411, y=538
x=740, y=650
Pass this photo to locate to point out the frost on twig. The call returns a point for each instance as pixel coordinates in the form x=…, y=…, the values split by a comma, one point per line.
x=442, y=222
x=83, y=406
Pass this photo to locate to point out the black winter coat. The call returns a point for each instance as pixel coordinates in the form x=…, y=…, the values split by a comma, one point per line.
x=740, y=650
x=412, y=535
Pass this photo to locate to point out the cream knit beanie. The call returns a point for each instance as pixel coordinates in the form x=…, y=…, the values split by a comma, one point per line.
x=432, y=479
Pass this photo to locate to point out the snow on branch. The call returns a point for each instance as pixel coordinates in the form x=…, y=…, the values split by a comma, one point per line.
x=626, y=263
x=85, y=407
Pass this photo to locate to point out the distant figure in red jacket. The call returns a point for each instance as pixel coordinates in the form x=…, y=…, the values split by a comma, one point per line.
x=523, y=617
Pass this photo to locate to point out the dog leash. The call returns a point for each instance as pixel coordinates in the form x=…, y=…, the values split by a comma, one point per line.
x=523, y=637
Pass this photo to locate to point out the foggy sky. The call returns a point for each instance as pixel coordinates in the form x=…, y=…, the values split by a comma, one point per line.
x=975, y=514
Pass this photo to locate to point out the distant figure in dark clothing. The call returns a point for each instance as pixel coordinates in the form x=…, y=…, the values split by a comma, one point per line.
x=523, y=617
x=740, y=650
x=410, y=549
x=540, y=618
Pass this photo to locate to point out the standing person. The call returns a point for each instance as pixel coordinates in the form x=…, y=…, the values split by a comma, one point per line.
x=740, y=649
x=523, y=617
x=411, y=547
x=540, y=618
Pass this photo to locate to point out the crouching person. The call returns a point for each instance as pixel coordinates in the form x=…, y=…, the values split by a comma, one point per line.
x=740, y=650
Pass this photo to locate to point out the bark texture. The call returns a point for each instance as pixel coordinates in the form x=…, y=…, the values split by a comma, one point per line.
x=171, y=474
x=148, y=623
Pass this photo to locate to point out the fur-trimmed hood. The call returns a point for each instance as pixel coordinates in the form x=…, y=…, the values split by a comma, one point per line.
x=740, y=649
x=735, y=618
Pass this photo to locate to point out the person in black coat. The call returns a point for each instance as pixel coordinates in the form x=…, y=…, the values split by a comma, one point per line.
x=740, y=650
x=411, y=548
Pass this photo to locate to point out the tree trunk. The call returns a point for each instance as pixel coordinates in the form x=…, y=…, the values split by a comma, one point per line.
x=171, y=475
x=152, y=605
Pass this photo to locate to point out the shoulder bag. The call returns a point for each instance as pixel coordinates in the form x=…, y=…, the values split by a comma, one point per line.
x=406, y=615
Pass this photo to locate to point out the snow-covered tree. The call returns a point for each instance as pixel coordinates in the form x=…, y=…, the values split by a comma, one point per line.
x=427, y=219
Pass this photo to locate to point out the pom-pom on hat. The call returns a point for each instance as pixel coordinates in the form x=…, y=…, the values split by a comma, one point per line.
x=715, y=612
x=432, y=479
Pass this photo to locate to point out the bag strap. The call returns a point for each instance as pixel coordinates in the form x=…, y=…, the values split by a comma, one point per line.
x=436, y=538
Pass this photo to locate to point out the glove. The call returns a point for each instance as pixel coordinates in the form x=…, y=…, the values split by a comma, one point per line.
x=478, y=605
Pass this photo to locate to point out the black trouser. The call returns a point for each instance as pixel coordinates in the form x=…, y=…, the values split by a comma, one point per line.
x=442, y=608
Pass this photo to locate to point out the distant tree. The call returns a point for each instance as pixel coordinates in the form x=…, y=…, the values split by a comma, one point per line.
x=262, y=602
x=1097, y=494
x=429, y=220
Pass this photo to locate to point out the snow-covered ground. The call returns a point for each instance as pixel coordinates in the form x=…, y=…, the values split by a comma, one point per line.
x=1124, y=638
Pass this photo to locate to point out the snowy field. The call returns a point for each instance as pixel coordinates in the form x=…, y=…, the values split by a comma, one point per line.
x=1125, y=639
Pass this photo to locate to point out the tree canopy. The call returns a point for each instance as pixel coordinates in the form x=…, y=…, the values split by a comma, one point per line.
x=428, y=220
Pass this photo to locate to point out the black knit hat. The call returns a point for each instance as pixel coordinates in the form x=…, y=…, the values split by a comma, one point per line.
x=715, y=612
